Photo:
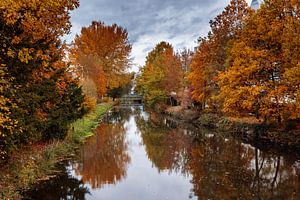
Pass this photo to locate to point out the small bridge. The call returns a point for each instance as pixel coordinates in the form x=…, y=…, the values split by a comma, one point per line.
x=131, y=99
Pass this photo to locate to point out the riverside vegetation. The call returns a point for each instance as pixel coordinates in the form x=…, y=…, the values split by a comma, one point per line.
x=46, y=85
x=34, y=163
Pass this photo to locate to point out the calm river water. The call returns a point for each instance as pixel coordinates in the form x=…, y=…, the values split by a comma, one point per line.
x=138, y=155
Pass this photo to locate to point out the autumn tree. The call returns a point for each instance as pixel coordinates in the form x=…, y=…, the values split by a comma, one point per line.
x=291, y=51
x=202, y=74
x=102, y=52
x=39, y=99
x=173, y=73
x=211, y=55
x=161, y=75
x=262, y=75
x=151, y=75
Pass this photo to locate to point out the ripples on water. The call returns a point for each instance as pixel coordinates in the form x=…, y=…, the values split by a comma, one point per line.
x=138, y=155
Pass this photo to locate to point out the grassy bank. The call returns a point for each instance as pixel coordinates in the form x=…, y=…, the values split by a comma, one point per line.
x=38, y=161
x=83, y=128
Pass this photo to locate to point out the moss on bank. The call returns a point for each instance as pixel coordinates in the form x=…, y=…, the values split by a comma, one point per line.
x=38, y=162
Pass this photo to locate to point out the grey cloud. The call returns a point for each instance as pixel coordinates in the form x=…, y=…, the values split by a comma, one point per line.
x=180, y=22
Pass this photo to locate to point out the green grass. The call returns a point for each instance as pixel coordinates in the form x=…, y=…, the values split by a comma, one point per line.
x=83, y=128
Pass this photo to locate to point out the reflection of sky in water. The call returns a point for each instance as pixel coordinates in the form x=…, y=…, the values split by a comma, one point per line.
x=143, y=179
x=145, y=116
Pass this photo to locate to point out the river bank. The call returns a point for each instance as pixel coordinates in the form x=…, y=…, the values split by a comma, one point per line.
x=37, y=162
x=248, y=129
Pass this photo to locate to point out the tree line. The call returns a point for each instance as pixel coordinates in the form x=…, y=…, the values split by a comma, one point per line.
x=42, y=80
x=248, y=64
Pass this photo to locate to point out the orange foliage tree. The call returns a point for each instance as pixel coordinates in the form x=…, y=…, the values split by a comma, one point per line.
x=262, y=75
x=102, y=53
x=211, y=55
x=38, y=97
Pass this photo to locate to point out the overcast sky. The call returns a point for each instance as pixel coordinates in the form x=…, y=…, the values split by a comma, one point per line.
x=148, y=22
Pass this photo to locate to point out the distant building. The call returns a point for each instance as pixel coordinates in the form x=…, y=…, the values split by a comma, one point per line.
x=255, y=4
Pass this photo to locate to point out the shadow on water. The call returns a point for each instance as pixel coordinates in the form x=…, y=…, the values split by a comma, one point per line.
x=143, y=155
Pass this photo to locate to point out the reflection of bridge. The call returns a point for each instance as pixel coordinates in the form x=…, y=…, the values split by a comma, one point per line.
x=131, y=99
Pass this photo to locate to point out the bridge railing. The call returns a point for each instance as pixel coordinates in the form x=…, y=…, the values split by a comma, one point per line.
x=131, y=99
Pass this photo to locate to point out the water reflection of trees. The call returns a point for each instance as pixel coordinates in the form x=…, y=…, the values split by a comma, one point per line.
x=275, y=177
x=228, y=169
x=105, y=157
x=120, y=115
x=166, y=148
x=220, y=168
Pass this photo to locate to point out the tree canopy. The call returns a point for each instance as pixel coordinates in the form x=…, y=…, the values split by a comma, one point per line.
x=102, y=52
x=161, y=75
x=262, y=75
x=210, y=57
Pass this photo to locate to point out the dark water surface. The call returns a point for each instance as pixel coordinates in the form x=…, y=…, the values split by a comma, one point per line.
x=138, y=155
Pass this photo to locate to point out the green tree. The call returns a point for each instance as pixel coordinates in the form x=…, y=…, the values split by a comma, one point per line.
x=161, y=75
